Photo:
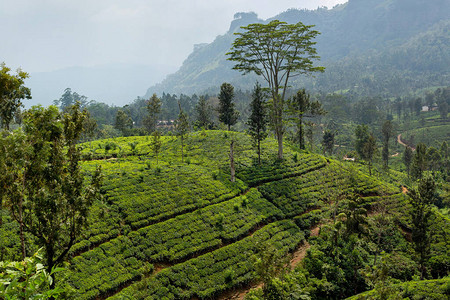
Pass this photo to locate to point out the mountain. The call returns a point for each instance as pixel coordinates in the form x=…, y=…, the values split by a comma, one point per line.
x=113, y=84
x=368, y=46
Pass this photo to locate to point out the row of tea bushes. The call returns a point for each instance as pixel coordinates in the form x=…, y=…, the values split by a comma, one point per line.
x=297, y=194
x=135, y=196
x=170, y=241
x=266, y=172
x=192, y=233
x=208, y=275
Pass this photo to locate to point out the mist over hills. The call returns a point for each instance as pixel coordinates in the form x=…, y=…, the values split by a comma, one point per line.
x=113, y=84
x=389, y=47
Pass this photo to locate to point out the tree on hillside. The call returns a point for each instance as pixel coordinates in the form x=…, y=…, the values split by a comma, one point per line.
x=46, y=191
x=299, y=107
x=407, y=159
x=419, y=161
x=429, y=100
x=418, y=106
x=181, y=128
x=70, y=98
x=365, y=145
x=123, y=121
x=277, y=51
x=153, y=110
x=443, y=109
x=257, y=121
x=434, y=158
x=421, y=200
x=12, y=92
x=370, y=148
x=444, y=150
x=362, y=135
x=156, y=144
x=387, y=131
x=203, y=113
x=227, y=112
x=328, y=141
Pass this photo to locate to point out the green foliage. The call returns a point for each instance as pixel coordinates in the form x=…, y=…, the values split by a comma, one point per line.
x=299, y=107
x=123, y=121
x=28, y=279
x=419, y=161
x=421, y=201
x=427, y=289
x=328, y=141
x=156, y=144
x=182, y=128
x=258, y=120
x=203, y=111
x=206, y=276
x=46, y=194
x=12, y=92
x=153, y=110
x=227, y=112
x=407, y=158
x=276, y=51
x=387, y=131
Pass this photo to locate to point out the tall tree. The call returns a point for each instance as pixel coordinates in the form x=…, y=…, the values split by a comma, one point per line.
x=153, y=110
x=227, y=112
x=328, y=141
x=123, y=121
x=387, y=131
x=156, y=144
x=362, y=136
x=301, y=106
x=419, y=161
x=407, y=159
x=370, y=148
x=443, y=109
x=182, y=128
x=47, y=195
x=421, y=200
x=69, y=98
x=277, y=51
x=257, y=121
x=434, y=158
x=203, y=112
x=12, y=92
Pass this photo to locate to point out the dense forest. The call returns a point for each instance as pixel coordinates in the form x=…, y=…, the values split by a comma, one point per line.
x=258, y=190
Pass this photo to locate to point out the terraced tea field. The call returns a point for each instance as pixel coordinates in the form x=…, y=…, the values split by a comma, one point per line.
x=182, y=230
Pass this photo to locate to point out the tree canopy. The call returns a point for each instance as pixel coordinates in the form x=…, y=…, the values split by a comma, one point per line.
x=277, y=51
x=45, y=191
x=12, y=92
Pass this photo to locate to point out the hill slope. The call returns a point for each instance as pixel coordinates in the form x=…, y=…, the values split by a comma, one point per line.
x=363, y=43
x=173, y=218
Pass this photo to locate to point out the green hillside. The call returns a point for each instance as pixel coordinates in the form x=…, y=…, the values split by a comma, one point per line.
x=176, y=218
x=173, y=229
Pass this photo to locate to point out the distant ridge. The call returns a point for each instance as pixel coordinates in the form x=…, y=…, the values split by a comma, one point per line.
x=358, y=39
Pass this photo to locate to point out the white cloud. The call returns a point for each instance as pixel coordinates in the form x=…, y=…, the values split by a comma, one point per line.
x=50, y=34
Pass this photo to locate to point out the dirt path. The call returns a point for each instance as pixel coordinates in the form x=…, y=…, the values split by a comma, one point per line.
x=297, y=257
x=404, y=189
x=399, y=140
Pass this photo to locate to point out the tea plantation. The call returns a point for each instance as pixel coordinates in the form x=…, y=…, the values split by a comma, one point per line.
x=167, y=229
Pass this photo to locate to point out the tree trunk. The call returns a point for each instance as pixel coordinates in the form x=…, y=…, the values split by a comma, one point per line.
x=280, y=145
x=259, y=152
x=50, y=263
x=22, y=238
x=232, y=167
x=301, y=136
x=182, y=144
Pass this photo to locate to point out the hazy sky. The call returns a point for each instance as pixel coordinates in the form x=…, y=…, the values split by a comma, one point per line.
x=45, y=35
